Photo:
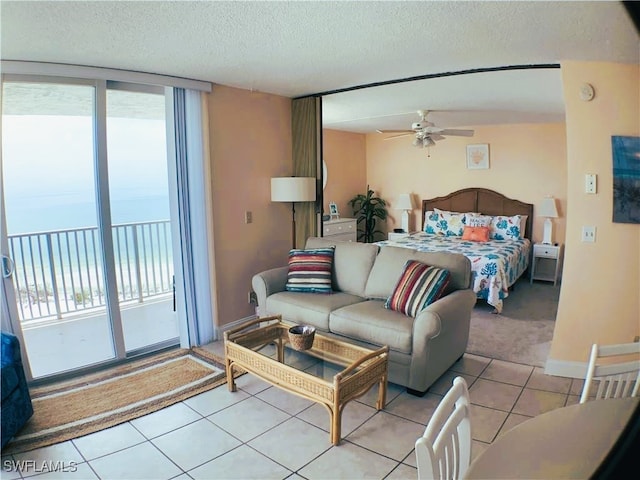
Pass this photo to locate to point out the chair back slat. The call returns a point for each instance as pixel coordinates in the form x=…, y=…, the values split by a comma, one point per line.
x=444, y=450
x=614, y=379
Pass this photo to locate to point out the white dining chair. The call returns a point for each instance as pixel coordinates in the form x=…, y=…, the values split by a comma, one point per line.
x=444, y=449
x=613, y=379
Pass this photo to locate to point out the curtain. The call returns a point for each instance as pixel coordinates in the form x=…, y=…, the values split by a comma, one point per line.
x=306, y=126
x=192, y=174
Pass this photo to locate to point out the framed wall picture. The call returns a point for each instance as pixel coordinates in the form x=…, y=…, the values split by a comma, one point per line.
x=478, y=156
x=626, y=179
x=333, y=210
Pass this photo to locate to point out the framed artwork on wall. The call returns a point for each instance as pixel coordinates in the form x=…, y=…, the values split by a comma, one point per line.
x=626, y=179
x=478, y=156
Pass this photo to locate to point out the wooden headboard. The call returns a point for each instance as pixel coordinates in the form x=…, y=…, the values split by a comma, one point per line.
x=481, y=200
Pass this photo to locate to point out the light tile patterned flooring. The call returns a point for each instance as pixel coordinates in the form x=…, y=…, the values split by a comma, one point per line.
x=261, y=432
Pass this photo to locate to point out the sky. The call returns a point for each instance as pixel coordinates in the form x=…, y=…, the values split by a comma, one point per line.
x=48, y=160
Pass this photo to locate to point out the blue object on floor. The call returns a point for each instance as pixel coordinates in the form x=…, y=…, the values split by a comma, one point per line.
x=16, y=407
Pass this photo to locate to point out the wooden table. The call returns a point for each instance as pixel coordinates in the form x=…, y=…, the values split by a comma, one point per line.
x=569, y=442
x=246, y=348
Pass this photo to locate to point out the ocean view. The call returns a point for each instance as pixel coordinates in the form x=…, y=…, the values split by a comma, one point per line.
x=41, y=214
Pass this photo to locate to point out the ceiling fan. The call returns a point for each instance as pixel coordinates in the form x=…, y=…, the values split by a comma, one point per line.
x=426, y=133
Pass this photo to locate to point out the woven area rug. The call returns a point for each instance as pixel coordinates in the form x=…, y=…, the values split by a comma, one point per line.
x=522, y=333
x=87, y=404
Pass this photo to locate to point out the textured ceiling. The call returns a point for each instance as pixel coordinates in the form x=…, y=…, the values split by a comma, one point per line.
x=305, y=47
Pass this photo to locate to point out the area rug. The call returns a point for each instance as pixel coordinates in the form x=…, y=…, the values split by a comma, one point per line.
x=94, y=402
x=522, y=333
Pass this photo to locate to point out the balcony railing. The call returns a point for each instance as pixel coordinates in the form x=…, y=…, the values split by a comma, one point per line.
x=60, y=272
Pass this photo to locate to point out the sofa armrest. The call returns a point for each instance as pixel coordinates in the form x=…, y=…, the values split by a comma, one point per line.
x=269, y=282
x=440, y=336
x=450, y=312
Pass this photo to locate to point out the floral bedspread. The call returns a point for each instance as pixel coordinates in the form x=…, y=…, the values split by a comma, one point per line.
x=495, y=265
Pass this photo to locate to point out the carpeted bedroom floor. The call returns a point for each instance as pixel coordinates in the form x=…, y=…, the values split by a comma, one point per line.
x=522, y=333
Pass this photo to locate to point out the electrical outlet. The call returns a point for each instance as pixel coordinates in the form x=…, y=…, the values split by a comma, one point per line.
x=588, y=234
x=253, y=298
x=248, y=217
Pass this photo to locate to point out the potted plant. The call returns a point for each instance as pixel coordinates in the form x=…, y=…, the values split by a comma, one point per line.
x=368, y=209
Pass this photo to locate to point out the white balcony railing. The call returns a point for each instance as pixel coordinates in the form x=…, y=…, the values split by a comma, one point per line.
x=60, y=272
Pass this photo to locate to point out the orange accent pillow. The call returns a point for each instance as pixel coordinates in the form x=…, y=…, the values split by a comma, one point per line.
x=476, y=234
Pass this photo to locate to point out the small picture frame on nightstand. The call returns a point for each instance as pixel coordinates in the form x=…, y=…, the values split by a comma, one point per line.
x=333, y=210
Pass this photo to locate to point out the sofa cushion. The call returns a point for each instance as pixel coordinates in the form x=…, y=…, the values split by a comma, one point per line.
x=307, y=308
x=352, y=263
x=310, y=270
x=419, y=286
x=390, y=264
x=372, y=323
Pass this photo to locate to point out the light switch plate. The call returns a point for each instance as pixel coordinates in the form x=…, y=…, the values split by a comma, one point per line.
x=590, y=183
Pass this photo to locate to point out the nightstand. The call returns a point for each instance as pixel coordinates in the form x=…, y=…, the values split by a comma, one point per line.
x=393, y=236
x=546, y=254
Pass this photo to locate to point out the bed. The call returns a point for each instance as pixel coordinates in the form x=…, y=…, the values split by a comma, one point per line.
x=496, y=263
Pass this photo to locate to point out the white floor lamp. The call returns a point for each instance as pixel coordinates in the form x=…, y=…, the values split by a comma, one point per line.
x=404, y=203
x=548, y=209
x=293, y=189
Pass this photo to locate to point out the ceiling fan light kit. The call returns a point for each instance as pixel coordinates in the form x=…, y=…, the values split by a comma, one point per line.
x=426, y=133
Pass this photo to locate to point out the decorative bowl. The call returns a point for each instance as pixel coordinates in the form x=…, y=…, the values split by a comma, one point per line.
x=301, y=336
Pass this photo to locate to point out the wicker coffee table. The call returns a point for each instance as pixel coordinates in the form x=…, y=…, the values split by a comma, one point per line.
x=247, y=348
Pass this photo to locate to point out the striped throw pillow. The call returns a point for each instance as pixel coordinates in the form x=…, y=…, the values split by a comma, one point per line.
x=310, y=270
x=418, y=286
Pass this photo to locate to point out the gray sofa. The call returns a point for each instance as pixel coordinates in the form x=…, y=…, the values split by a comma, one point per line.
x=421, y=349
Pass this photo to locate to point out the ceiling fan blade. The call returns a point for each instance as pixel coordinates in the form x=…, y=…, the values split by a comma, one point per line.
x=394, y=131
x=398, y=136
x=459, y=133
x=435, y=137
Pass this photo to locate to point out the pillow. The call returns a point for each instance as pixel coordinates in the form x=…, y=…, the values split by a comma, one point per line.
x=505, y=228
x=479, y=221
x=476, y=234
x=419, y=285
x=431, y=222
x=438, y=210
x=448, y=224
x=310, y=270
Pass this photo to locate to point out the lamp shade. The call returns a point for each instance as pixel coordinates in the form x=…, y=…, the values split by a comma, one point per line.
x=293, y=189
x=403, y=202
x=548, y=208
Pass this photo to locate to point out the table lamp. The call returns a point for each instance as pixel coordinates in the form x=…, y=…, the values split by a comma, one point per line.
x=548, y=209
x=404, y=203
x=293, y=189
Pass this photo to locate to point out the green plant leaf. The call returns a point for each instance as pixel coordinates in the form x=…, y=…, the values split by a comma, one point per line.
x=368, y=209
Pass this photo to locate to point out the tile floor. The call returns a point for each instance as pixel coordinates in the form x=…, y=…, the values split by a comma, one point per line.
x=261, y=432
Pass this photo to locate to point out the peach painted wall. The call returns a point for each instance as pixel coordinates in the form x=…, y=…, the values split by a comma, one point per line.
x=527, y=162
x=250, y=143
x=345, y=156
x=600, y=302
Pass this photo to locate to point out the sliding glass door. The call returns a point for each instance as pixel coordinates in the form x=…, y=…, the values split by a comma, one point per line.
x=88, y=253
x=140, y=214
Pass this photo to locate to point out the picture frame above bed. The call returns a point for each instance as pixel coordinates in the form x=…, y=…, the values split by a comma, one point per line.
x=478, y=156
